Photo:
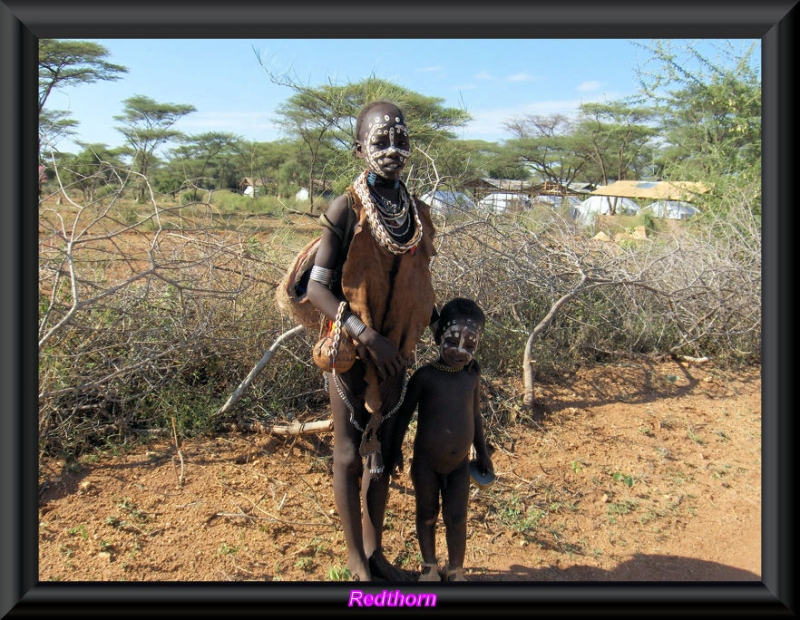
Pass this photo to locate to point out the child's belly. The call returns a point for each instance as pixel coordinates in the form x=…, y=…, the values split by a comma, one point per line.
x=444, y=447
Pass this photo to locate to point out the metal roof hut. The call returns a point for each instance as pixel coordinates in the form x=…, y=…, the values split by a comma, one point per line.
x=685, y=191
x=480, y=188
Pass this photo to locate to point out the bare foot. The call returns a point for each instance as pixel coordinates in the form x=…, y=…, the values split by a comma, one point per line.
x=381, y=567
x=454, y=574
x=359, y=571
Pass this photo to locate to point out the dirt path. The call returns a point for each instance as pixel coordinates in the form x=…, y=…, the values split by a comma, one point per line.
x=637, y=472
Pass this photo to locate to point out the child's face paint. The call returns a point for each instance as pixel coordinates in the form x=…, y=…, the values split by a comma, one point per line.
x=386, y=144
x=460, y=342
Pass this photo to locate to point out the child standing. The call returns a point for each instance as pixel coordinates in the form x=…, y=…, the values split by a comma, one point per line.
x=447, y=395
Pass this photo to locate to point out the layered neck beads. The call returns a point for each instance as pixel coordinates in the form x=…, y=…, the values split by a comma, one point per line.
x=390, y=222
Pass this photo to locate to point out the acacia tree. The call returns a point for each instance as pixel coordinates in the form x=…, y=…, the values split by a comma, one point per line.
x=615, y=135
x=324, y=118
x=490, y=159
x=69, y=63
x=206, y=160
x=311, y=116
x=54, y=125
x=710, y=112
x=95, y=167
x=548, y=145
x=147, y=125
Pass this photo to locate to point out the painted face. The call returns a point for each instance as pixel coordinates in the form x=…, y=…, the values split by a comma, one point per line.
x=385, y=144
x=459, y=342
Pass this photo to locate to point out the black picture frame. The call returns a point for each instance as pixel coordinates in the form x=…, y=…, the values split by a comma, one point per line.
x=23, y=22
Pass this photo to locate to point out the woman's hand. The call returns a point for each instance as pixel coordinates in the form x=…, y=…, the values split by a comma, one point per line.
x=382, y=353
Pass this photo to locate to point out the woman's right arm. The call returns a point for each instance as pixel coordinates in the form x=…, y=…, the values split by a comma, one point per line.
x=327, y=257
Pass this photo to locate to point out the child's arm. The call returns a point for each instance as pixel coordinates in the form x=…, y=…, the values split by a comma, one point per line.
x=479, y=442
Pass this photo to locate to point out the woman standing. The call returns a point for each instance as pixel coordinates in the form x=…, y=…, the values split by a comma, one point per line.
x=380, y=289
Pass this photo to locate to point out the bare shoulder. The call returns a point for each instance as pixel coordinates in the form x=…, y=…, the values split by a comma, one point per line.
x=337, y=211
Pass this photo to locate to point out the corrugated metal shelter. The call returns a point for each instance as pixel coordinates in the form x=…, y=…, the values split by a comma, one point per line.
x=486, y=185
x=653, y=190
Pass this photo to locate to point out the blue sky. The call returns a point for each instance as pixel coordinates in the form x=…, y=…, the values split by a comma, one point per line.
x=495, y=80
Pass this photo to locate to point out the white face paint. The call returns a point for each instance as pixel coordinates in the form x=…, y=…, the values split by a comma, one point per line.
x=387, y=146
x=460, y=342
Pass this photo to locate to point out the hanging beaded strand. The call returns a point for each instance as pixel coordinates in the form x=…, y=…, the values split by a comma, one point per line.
x=376, y=225
x=395, y=217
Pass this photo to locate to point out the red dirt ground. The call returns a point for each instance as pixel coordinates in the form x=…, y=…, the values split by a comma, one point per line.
x=636, y=471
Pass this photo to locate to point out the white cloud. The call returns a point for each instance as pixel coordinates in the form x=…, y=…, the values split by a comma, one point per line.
x=588, y=86
x=484, y=75
x=489, y=124
x=519, y=77
x=433, y=69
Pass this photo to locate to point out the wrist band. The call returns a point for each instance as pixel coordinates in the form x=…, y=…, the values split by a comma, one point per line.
x=321, y=275
x=354, y=326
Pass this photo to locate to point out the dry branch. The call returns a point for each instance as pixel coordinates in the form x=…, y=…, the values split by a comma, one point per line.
x=237, y=393
x=295, y=428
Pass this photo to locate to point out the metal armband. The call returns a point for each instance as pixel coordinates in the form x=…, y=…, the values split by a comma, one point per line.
x=322, y=275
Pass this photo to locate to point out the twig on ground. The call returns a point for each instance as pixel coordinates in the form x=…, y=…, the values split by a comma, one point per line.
x=180, y=456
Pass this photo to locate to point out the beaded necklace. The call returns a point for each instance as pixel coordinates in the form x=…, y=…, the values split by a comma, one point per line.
x=445, y=367
x=377, y=224
x=394, y=216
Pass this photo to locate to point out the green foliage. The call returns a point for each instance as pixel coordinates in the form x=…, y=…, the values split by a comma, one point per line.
x=616, y=139
x=323, y=119
x=627, y=480
x=93, y=171
x=647, y=220
x=232, y=202
x=337, y=573
x=147, y=125
x=69, y=63
x=519, y=517
x=710, y=112
x=54, y=125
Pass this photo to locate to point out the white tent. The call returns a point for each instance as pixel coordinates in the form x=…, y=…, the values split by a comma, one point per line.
x=447, y=202
x=602, y=205
x=672, y=209
x=499, y=202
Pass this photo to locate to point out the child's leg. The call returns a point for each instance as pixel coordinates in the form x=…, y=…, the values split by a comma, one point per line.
x=455, y=498
x=426, y=491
